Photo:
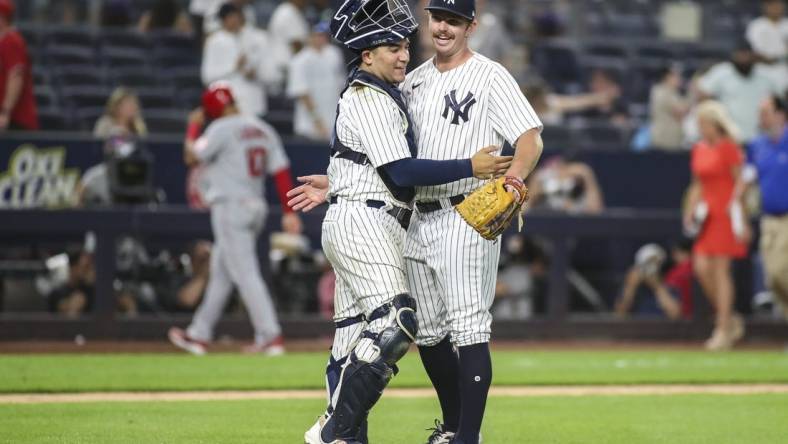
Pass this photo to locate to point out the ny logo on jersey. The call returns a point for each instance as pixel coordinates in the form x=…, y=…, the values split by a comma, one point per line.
x=460, y=109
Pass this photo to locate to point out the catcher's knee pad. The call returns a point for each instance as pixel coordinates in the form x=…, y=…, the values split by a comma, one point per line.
x=395, y=339
x=361, y=387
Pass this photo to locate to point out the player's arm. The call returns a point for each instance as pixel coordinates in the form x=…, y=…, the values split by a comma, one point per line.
x=527, y=151
x=631, y=283
x=665, y=300
x=513, y=118
x=283, y=181
x=409, y=172
x=13, y=88
x=193, y=130
x=386, y=147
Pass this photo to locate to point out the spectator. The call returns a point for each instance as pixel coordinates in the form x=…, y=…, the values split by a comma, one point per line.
x=551, y=107
x=616, y=111
x=213, y=21
x=198, y=11
x=740, y=85
x=17, y=104
x=195, y=277
x=75, y=296
x=716, y=163
x=672, y=292
x=235, y=54
x=768, y=36
x=122, y=117
x=165, y=15
x=769, y=157
x=289, y=32
x=668, y=109
x=565, y=185
x=689, y=125
x=316, y=78
x=519, y=291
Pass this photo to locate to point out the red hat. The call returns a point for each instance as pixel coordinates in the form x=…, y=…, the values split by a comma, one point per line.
x=215, y=99
x=7, y=9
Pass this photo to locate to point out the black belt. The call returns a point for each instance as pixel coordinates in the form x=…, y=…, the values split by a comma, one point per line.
x=402, y=215
x=428, y=206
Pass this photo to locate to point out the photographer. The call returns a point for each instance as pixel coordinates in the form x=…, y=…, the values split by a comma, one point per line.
x=669, y=294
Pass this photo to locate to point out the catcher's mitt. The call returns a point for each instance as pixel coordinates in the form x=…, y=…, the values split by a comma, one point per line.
x=490, y=209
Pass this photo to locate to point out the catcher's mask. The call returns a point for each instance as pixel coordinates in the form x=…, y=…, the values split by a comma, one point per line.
x=364, y=24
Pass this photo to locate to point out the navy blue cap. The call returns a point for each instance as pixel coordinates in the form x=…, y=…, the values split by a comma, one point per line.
x=463, y=8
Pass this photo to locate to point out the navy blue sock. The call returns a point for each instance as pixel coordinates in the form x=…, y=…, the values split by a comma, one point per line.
x=443, y=368
x=475, y=378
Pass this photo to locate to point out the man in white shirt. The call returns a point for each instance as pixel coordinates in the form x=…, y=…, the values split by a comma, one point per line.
x=211, y=20
x=768, y=36
x=235, y=54
x=740, y=84
x=315, y=79
x=289, y=32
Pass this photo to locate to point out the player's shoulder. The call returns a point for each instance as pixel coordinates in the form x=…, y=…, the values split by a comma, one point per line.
x=363, y=95
x=488, y=66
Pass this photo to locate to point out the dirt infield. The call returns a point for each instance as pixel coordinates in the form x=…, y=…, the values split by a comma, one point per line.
x=609, y=390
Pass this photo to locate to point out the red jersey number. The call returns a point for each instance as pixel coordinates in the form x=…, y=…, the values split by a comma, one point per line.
x=255, y=160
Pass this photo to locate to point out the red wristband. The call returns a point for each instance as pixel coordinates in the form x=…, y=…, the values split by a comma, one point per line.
x=193, y=131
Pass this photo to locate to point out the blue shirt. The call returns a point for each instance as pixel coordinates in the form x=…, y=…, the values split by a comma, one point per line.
x=770, y=158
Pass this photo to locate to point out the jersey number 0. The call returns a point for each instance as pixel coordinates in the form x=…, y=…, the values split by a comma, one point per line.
x=255, y=160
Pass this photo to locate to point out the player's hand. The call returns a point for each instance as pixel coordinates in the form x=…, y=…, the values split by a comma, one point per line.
x=291, y=223
x=487, y=166
x=197, y=116
x=312, y=193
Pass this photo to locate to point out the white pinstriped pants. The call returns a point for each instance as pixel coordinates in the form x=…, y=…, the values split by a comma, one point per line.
x=364, y=245
x=451, y=271
x=236, y=225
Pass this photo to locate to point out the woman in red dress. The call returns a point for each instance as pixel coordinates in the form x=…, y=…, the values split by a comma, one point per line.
x=716, y=165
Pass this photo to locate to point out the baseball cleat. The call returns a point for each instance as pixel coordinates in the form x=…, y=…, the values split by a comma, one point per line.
x=181, y=339
x=439, y=434
x=275, y=347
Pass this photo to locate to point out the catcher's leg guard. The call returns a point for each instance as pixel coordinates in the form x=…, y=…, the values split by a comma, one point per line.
x=368, y=373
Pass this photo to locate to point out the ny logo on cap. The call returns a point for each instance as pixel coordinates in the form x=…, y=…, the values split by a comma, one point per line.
x=449, y=2
x=460, y=109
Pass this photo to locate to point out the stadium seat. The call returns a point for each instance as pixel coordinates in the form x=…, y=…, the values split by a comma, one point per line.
x=180, y=78
x=133, y=76
x=57, y=55
x=557, y=137
x=613, y=48
x=45, y=96
x=85, y=117
x=176, y=59
x=85, y=96
x=52, y=119
x=122, y=56
x=80, y=75
x=77, y=36
x=282, y=121
x=189, y=97
x=599, y=135
x=557, y=63
x=166, y=121
x=156, y=97
x=124, y=38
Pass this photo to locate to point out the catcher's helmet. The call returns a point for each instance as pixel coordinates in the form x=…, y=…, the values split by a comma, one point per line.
x=363, y=24
x=215, y=98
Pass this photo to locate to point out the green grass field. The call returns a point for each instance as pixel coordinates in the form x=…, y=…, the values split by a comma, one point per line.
x=758, y=418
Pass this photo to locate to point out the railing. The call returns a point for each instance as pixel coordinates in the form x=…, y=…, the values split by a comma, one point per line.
x=176, y=223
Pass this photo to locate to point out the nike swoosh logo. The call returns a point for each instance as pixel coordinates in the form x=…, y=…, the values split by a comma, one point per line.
x=416, y=85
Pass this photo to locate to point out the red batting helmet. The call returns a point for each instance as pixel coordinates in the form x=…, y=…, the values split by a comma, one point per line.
x=215, y=99
x=7, y=9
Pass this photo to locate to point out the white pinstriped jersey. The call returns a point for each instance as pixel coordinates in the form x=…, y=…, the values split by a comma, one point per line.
x=369, y=122
x=238, y=151
x=460, y=111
